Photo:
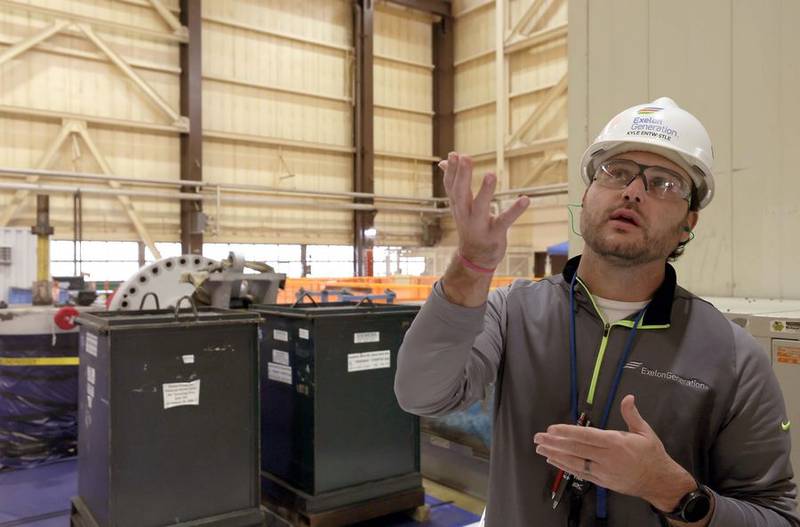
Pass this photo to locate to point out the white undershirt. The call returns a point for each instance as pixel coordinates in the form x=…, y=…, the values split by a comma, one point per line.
x=615, y=310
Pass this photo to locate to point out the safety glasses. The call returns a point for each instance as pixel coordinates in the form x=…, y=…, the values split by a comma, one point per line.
x=659, y=182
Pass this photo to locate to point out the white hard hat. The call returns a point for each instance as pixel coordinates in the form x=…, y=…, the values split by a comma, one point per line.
x=661, y=127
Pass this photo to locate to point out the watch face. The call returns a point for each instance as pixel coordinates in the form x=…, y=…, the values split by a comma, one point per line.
x=697, y=507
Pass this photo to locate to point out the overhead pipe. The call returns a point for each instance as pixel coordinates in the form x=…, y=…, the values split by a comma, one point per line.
x=253, y=200
x=232, y=187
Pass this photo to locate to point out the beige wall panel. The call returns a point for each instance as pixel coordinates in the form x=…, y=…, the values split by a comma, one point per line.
x=460, y=6
x=538, y=68
x=58, y=82
x=398, y=229
x=403, y=35
x=16, y=25
x=733, y=64
x=613, y=36
x=399, y=85
x=474, y=82
x=474, y=130
x=758, y=116
x=288, y=168
x=328, y=20
x=789, y=146
x=281, y=168
x=402, y=132
x=550, y=13
x=522, y=169
x=399, y=177
x=253, y=57
x=76, y=85
x=552, y=123
x=407, y=36
x=253, y=111
x=129, y=154
x=474, y=33
x=700, y=82
x=119, y=12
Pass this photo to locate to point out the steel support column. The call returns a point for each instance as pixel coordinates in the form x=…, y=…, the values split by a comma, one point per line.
x=192, y=142
x=444, y=113
x=364, y=173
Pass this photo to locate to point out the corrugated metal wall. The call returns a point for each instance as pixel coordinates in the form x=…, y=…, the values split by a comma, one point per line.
x=534, y=62
x=277, y=111
x=66, y=77
x=278, y=87
x=403, y=84
x=734, y=65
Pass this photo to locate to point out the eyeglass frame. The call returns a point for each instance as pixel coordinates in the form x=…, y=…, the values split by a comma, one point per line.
x=641, y=174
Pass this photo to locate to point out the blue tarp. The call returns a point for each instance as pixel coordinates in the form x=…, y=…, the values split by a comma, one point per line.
x=559, y=248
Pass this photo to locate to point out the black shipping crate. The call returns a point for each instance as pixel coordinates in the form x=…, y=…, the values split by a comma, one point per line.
x=332, y=432
x=168, y=419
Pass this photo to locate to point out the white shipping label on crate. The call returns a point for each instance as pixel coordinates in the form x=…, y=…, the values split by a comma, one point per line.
x=280, y=357
x=371, y=360
x=279, y=373
x=188, y=359
x=91, y=375
x=303, y=333
x=279, y=334
x=91, y=344
x=369, y=336
x=181, y=394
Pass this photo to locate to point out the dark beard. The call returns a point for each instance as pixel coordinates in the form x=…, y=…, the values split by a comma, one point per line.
x=620, y=253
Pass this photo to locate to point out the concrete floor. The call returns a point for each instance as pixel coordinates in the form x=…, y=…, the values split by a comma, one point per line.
x=459, y=499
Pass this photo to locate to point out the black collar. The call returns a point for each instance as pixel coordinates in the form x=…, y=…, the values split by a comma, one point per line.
x=660, y=311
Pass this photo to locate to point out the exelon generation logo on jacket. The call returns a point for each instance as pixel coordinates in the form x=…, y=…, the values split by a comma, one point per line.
x=666, y=375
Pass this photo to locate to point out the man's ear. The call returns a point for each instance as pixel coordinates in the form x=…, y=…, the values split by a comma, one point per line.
x=691, y=221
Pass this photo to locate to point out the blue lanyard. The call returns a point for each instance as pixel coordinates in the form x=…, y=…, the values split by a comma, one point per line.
x=602, y=493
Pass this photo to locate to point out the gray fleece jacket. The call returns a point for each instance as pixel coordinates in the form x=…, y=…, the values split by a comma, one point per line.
x=702, y=383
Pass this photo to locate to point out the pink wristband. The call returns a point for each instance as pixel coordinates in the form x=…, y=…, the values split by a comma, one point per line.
x=474, y=267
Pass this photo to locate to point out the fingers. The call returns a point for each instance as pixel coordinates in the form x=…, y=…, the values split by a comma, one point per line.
x=510, y=215
x=449, y=169
x=575, y=466
x=462, y=180
x=579, y=434
x=457, y=178
x=483, y=199
x=551, y=446
x=636, y=424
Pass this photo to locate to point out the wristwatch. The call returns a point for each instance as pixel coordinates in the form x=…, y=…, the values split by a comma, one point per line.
x=693, y=507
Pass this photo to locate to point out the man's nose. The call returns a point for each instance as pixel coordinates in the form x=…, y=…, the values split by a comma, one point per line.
x=635, y=191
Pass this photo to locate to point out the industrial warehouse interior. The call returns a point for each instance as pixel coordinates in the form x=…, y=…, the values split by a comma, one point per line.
x=399, y=263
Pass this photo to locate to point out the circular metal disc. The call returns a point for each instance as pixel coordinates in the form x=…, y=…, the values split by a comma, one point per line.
x=163, y=279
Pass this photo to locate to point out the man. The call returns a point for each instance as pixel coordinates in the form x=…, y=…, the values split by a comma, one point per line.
x=683, y=410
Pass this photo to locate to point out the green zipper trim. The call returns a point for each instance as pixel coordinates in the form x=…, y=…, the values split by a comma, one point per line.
x=629, y=324
x=598, y=363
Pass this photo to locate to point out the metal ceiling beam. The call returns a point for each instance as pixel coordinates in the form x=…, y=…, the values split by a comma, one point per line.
x=437, y=7
x=192, y=142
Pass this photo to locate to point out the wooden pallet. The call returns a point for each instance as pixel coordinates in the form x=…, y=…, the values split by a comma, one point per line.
x=410, y=501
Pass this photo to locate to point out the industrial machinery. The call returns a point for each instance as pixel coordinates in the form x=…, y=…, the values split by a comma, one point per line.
x=168, y=416
x=779, y=335
x=38, y=385
x=220, y=284
x=333, y=435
